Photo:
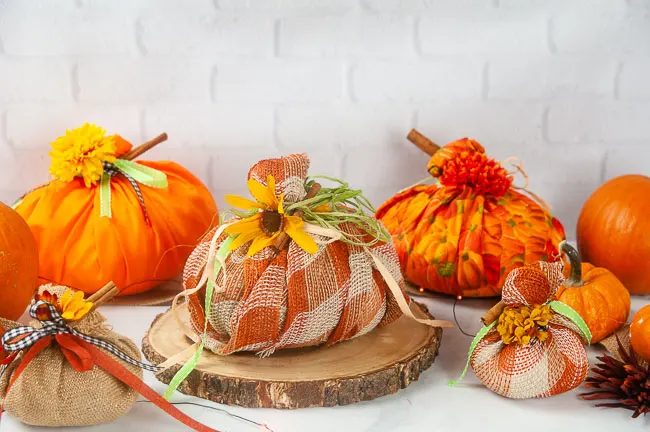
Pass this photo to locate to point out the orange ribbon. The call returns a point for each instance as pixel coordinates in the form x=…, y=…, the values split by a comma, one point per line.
x=83, y=356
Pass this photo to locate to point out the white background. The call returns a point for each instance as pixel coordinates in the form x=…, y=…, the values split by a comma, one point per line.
x=563, y=84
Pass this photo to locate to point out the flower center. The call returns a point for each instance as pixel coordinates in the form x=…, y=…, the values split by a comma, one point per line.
x=524, y=323
x=272, y=222
x=476, y=170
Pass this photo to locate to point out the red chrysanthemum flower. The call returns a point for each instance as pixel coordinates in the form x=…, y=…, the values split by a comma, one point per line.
x=478, y=171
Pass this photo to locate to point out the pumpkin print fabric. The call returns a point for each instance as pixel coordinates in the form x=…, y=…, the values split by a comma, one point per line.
x=547, y=354
x=292, y=297
x=463, y=235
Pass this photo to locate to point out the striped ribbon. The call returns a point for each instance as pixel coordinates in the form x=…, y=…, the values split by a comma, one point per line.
x=135, y=174
x=21, y=338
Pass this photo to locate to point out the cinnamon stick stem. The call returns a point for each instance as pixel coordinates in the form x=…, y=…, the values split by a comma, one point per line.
x=283, y=239
x=422, y=142
x=104, y=294
x=493, y=314
x=137, y=151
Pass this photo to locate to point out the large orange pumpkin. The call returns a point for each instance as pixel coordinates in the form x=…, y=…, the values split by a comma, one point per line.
x=596, y=294
x=464, y=235
x=18, y=264
x=146, y=239
x=614, y=230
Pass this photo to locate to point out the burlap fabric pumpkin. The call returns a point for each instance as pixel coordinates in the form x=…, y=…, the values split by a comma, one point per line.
x=49, y=392
x=536, y=348
x=288, y=298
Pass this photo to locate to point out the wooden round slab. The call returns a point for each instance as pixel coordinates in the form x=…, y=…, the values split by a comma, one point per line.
x=379, y=363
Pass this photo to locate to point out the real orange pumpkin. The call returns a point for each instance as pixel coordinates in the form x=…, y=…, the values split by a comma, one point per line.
x=640, y=333
x=614, y=230
x=18, y=264
x=596, y=294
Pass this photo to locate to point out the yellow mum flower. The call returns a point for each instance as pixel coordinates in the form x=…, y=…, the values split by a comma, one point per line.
x=264, y=227
x=523, y=324
x=81, y=153
x=73, y=306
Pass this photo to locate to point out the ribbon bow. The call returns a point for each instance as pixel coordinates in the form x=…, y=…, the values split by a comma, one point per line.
x=134, y=173
x=53, y=325
x=83, y=353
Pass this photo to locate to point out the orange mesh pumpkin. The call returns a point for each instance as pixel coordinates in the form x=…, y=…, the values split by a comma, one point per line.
x=536, y=348
x=147, y=237
x=275, y=297
x=463, y=235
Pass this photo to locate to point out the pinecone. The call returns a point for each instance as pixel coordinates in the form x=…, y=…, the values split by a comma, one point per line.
x=627, y=381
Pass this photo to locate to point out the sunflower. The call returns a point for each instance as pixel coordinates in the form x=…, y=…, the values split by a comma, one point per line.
x=268, y=220
x=81, y=152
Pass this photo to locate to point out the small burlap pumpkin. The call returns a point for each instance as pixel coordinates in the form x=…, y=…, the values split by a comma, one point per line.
x=49, y=392
x=536, y=348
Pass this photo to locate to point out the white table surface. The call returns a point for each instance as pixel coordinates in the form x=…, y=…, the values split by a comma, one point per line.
x=426, y=405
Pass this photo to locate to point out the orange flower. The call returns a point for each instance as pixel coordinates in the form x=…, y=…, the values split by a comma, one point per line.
x=73, y=306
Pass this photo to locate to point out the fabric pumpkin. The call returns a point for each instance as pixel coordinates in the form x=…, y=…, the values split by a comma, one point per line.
x=294, y=296
x=535, y=349
x=463, y=235
x=136, y=247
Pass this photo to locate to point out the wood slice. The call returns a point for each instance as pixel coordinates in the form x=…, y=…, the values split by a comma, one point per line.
x=379, y=363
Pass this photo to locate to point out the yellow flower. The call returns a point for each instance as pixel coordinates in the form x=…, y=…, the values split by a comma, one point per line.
x=523, y=324
x=269, y=220
x=80, y=153
x=73, y=306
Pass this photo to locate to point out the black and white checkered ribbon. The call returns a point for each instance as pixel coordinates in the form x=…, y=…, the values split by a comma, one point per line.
x=112, y=170
x=13, y=340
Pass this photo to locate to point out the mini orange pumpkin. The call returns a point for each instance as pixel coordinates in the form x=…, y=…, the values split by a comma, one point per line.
x=614, y=230
x=640, y=333
x=596, y=294
x=18, y=264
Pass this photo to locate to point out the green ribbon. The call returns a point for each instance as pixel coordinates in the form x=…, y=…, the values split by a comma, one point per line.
x=140, y=173
x=191, y=364
x=568, y=312
x=480, y=335
x=557, y=306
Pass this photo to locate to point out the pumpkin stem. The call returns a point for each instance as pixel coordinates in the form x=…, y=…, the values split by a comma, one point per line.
x=575, y=278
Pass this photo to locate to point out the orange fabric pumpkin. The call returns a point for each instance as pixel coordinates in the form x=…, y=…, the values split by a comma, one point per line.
x=463, y=235
x=18, y=264
x=640, y=333
x=596, y=294
x=80, y=248
x=614, y=230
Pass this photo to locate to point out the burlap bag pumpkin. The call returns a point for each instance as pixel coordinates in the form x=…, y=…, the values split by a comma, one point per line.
x=290, y=298
x=50, y=392
x=526, y=354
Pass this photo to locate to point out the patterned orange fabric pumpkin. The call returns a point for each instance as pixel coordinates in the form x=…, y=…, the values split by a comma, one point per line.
x=463, y=235
x=94, y=223
x=536, y=348
x=290, y=295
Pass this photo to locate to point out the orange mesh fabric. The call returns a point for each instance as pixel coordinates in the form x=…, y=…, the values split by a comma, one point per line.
x=275, y=300
x=464, y=235
x=538, y=369
x=80, y=249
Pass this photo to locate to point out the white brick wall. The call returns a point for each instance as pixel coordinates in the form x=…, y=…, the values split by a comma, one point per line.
x=564, y=84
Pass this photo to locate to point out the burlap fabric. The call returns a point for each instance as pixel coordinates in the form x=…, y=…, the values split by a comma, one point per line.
x=291, y=298
x=538, y=369
x=50, y=392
